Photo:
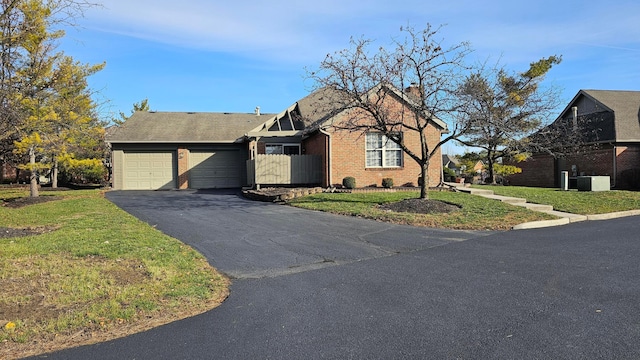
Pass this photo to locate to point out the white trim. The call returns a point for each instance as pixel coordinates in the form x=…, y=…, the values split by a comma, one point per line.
x=382, y=150
x=328, y=151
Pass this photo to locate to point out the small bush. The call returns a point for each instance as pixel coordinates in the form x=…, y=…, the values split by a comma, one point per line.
x=387, y=183
x=449, y=174
x=349, y=182
x=82, y=171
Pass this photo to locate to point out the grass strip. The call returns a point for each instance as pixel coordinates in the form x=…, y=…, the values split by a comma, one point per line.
x=93, y=274
x=573, y=201
x=475, y=213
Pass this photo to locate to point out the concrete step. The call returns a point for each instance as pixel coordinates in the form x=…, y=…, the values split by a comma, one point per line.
x=571, y=217
x=536, y=207
x=472, y=191
x=506, y=199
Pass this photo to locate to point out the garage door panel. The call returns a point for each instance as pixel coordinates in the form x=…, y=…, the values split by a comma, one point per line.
x=149, y=170
x=215, y=169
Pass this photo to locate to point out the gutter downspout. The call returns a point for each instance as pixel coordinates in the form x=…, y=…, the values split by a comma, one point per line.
x=329, y=180
x=615, y=167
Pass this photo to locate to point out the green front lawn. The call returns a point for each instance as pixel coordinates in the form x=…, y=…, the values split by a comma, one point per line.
x=476, y=212
x=573, y=201
x=91, y=272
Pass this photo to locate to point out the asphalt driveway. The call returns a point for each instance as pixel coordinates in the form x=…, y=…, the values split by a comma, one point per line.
x=249, y=239
x=310, y=285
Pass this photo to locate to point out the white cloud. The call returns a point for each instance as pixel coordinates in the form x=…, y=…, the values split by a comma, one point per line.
x=300, y=31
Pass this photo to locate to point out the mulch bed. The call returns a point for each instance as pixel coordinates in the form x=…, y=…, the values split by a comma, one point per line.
x=24, y=201
x=420, y=206
x=12, y=232
x=15, y=203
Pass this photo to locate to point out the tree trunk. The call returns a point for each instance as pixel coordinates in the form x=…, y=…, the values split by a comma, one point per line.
x=33, y=177
x=490, y=162
x=424, y=175
x=492, y=175
x=54, y=173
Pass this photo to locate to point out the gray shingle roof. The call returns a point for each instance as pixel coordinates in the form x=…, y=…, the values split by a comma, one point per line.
x=626, y=107
x=173, y=127
x=319, y=106
x=324, y=103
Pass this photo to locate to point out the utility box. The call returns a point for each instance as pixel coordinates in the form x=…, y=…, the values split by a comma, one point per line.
x=594, y=183
x=564, y=180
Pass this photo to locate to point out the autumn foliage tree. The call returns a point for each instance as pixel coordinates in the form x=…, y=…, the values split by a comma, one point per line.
x=503, y=109
x=418, y=68
x=77, y=134
x=46, y=104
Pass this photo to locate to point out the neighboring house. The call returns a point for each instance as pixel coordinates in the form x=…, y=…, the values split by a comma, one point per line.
x=613, y=119
x=8, y=172
x=451, y=162
x=478, y=167
x=299, y=146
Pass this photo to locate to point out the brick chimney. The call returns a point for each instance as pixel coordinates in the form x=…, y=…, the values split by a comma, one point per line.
x=413, y=91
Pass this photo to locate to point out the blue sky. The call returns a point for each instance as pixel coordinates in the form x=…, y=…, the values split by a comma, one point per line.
x=215, y=56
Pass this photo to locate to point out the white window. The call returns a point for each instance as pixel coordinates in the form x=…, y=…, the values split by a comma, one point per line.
x=287, y=149
x=382, y=152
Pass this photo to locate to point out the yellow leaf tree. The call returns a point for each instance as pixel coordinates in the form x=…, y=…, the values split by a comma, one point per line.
x=503, y=109
x=51, y=106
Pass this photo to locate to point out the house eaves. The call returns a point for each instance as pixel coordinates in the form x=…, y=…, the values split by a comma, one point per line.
x=177, y=142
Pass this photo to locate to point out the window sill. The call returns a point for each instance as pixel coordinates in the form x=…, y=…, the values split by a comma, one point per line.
x=383, y=168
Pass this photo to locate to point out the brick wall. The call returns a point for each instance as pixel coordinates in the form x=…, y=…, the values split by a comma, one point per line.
x=628, y=157
x=8, y=172
x=183, y=168
x=542, y=170
x=538, y=170
x=317, y=145
x=348, y=154
x=597, y=162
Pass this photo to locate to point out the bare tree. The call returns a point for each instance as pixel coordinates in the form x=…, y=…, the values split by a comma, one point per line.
x=417, y=69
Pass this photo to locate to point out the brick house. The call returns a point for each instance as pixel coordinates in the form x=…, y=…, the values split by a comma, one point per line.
x=299, y=146
x=8, y=172
x=613, y=119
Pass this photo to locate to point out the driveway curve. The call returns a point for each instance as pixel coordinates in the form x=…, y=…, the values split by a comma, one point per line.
x=249, y=239
x=310, y=285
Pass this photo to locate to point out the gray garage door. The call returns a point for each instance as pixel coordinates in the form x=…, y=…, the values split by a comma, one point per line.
x=149, y=170
x=215, y=169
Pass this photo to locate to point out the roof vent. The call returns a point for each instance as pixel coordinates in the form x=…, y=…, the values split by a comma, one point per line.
x=257, y=110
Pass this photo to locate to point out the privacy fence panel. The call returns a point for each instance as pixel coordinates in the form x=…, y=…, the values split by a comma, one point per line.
x=285, y=170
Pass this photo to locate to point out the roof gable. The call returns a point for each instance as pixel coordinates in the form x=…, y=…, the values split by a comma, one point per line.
x=624, y=105
x=319, y=107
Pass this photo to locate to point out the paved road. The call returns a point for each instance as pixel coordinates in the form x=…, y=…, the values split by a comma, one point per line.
x=317, y=286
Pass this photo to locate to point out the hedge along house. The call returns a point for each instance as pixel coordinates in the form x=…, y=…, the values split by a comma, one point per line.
x=610, y=121
x=299, y=146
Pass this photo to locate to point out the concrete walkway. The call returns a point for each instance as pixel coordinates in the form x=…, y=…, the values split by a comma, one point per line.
x=563, y=217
